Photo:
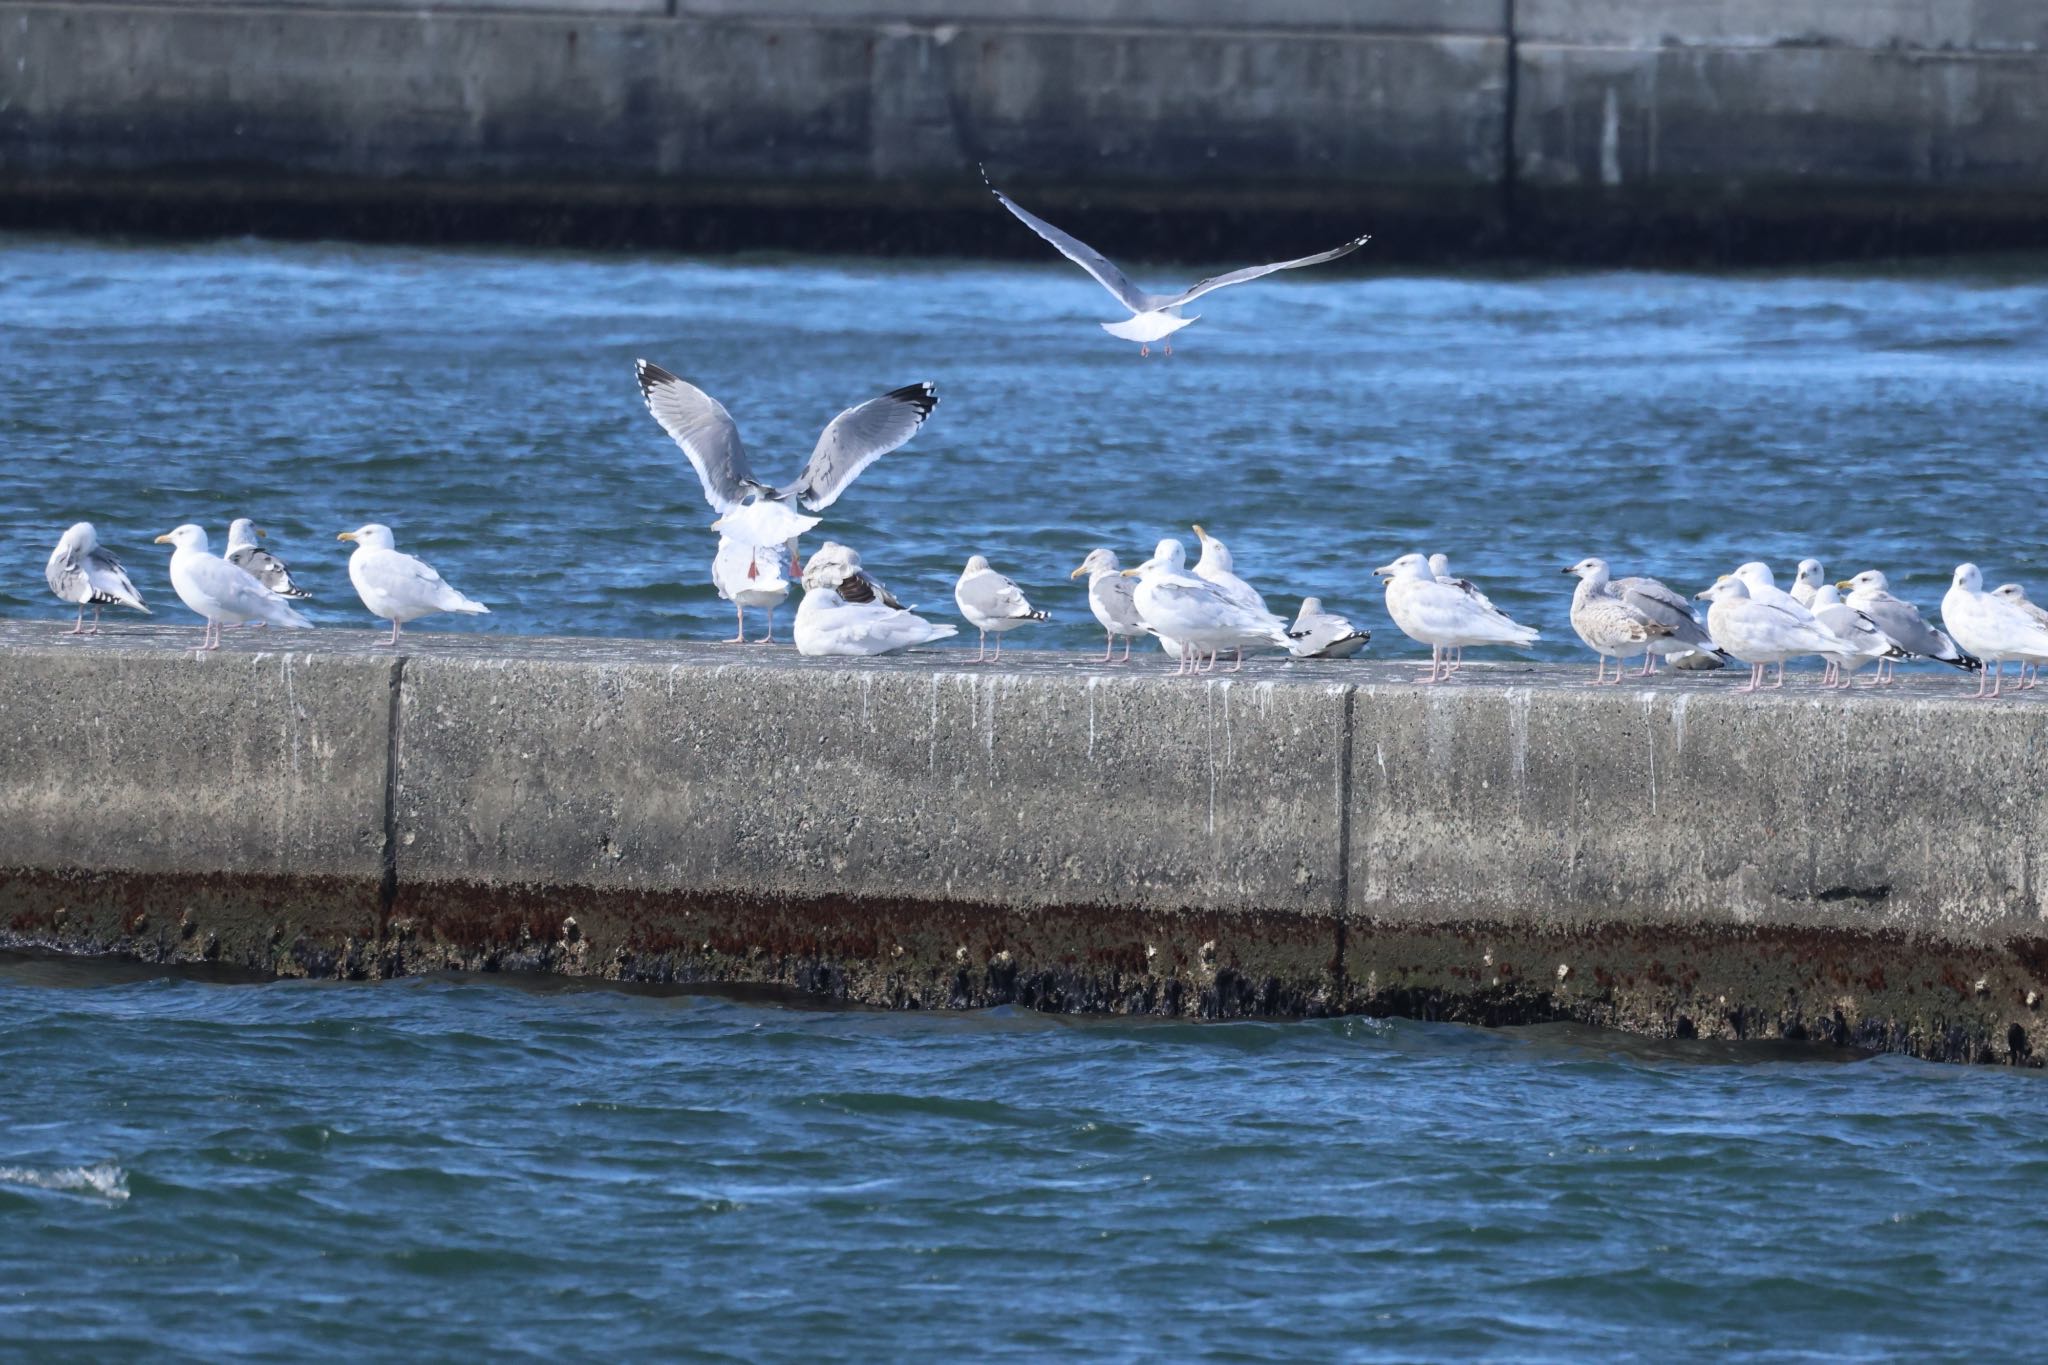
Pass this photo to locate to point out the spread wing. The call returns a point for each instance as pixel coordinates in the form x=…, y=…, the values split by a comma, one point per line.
x=699, y=424
x=1080, y=253
x=1253, y=272
x=857, y=438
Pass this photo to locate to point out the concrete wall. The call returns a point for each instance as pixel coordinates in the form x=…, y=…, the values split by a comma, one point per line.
x=1674, y=859
x=1581, y=126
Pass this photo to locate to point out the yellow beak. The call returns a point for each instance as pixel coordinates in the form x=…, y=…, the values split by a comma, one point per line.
x=163, y=540
x=1844, y=585
x=346, y=535
x=1131, y=573
x=1078, y=572
x=1201, y=533
x=262, y=534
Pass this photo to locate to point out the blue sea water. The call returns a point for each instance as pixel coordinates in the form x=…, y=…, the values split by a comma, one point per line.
x=483, y=403
x=454, y=1168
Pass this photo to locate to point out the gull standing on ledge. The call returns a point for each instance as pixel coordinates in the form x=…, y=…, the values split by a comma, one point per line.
x=2030, y=670
x=1611, y=628
x=1443, y=615
x=396, y=586
x=749, y=576
x=992, y=604
x=1870, y=593
x=751, y=511
x=1175, y=604
x=1154, y=317
x=1440, y=568
x=224, y=594
x=1319, y=634
x=1762, y=633
x=1112, y=598
x=84, y=572
x=266, y=568
x=1215, y=568
x=1687, y=644
x=845, y=612
x=1847, y=623
x=1991, y=627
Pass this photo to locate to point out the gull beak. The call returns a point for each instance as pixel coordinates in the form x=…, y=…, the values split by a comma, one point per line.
x=262, y=534
x=1844, y=585
x=1078, y=572
x=1568, y=572
x=1383, y=571
x=346, y=535
x=163, y=540
x=1200, y=532
x=1133, y=573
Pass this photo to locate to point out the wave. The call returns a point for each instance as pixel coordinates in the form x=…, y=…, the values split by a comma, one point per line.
x=105, y=1180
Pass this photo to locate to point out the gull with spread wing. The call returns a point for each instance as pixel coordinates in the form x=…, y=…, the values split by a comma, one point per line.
x=1154, y=317
x=750, y=511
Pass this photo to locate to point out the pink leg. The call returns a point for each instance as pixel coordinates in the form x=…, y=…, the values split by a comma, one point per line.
x=394, y=632
x=1127, y=651
x=78, y=629
x=1649, y=663
x=769, y=638
x=739, y=636
x=981, y=652
x=1145, y=348
x=1108, y=644
x=1166, y=347
x=1599, y=670
x=1237, y=663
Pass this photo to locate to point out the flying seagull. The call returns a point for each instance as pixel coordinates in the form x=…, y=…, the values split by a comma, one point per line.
x=1154, y=317
x=753, y=512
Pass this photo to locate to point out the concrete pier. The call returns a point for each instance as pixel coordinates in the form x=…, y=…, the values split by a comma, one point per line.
x=1594, y=129
x=1668, y=858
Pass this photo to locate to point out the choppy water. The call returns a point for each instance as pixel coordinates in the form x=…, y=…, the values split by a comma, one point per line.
x=424, y=1167
x=483, y=403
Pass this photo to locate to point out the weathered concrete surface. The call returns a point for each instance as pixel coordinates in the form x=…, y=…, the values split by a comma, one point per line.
x=1593, y=128
x=1672, y=858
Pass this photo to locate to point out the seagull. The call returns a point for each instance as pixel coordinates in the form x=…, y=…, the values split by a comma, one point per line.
x=749, y=576
x=1318, y=634
x=2017, y=595
x=992, y=604
x=1807, y=582
x=752, y=511
x=1611, y=628
x=1990, y=627
x=224, y=594
x=1443, y=615
x=1687, y=644
x=1440, y=569
x=83, y=571
x=1870, y=593
x=1761, y=633
x=1215, y=567
x=845, y=612
x=1173, y=603
x=1112, y=598
x=1847, y=623
x=1154, y=317
x=397, y=586
x=265, y=567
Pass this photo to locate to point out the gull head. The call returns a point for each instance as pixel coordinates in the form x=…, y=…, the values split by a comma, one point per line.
x=2011, y=592
x=1440, y=565
x=78, y=539
x=1589, y=567
x=1169, y=555
x=1214, y=552
x=374, y=534
x=1826, y=595
x=1098, y=561
x=975, y=564
x=1310, y=606
x=1968, y=578
x=1756, y=574
x=830, y=565
x=1727, y=588
x=186, y=537
x=1870, y=580
x=1407, y=566
x=1810, y=573
x=242, y=531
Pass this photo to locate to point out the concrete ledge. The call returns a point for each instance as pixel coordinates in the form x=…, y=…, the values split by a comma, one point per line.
x=1670, y=858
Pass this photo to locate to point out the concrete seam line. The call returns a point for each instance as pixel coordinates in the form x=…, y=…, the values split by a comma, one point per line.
x=1338, y=983
x=387, y=889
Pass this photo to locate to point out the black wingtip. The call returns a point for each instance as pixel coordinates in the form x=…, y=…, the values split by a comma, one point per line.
x=1040, y=615
x=649, y=374
x=923, y=396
